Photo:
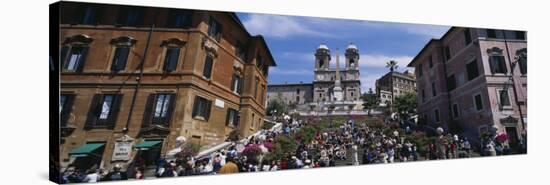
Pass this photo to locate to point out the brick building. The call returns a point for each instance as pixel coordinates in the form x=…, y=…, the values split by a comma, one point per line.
x=474, y=81
x=136, y=78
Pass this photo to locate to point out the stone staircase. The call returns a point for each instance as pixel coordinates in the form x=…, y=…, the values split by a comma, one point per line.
x=349, y=158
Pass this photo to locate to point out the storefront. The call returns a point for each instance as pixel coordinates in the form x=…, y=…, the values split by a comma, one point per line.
x=87, y=155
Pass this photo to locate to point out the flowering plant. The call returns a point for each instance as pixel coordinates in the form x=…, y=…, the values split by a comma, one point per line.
x=501, y=138
x=252, y=151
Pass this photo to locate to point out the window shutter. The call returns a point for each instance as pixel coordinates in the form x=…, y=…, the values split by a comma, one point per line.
x=148, y=112
x=115, y=108
x=170, y=111
x=93, y=112
x=67, y=109
x=82, y=60
x=63, y=56
x=207, y=110
x=503, y=64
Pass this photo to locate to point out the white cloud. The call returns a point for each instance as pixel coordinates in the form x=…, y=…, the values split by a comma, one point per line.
x=302, y=56
x=431, y=31
x=279, y=26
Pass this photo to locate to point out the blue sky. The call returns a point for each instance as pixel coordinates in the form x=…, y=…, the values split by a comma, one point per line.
x=293, y=40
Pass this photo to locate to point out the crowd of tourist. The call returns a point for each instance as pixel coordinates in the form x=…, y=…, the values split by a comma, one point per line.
x=348, y=143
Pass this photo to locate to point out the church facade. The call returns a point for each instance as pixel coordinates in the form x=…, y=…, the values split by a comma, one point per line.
x=330, y=83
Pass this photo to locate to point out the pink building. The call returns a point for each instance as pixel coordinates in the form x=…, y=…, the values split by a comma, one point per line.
x=473, y=81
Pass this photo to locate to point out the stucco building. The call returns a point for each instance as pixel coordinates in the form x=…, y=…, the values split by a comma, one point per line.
x=134, y=79
x=403, y=83
x=475, y=80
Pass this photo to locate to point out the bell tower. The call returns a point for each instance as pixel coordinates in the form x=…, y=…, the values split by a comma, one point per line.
x=322, y=57
x=352, y=57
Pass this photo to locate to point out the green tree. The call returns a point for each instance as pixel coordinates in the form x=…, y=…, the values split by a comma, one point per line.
x=276, y=106
x=370, y=101
x=405, y=104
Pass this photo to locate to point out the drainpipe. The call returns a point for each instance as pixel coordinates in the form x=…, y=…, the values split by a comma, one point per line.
x=136, y=90
x=512, y=66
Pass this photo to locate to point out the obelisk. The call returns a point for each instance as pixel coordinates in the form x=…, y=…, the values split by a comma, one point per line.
x=337, y=89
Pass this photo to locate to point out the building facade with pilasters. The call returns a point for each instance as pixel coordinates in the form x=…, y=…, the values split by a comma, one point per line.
x=474, y=81
x=138, y=78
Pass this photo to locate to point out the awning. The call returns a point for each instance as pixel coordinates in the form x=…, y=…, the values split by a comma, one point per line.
x=85, y=149
x=145, y=145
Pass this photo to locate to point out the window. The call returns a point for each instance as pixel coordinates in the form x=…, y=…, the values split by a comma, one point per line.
x=456, y=112
x=520, y=35
x=201, y=108
x=73, y=57
x=503, y=98
x=430, y=61
x=467, y=36
x=491, y=33
x=436, y=115
x=214, y=29
x=130, y=16
x=120, y=58
x=478, y=102
x=207, y=71
x=179, y=19
x=87, y=14
x=434, y=92
x=237, y=83
x=106, y=106
x=451, y=82
x=240, y=50
x=321, y=63
x=171, y=59
x=297, y=91
x=447, y=53
x=351, y=62
x=65, y=108
x=232, y=118
x=297, y=99
x=497, y=64
x=472, y=70
x=161, y=107
x=104, y=110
